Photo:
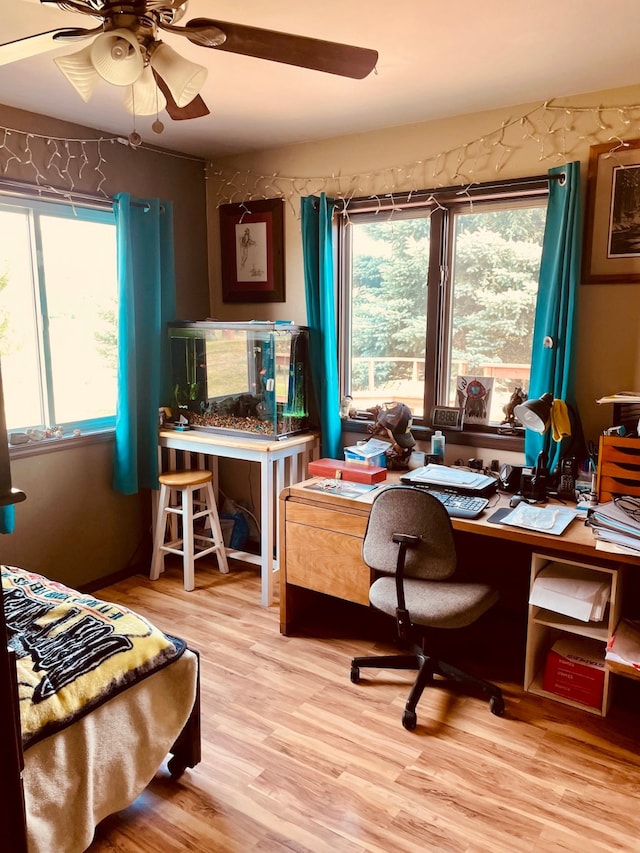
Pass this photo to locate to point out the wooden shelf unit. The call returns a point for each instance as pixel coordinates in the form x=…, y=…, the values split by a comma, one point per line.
x=544, y=627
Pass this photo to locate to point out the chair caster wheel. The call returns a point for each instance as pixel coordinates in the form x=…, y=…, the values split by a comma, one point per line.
x=355, y=674
x=409, y=720
x=496, y=704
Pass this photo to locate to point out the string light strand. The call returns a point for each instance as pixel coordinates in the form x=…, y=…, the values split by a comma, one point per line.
x=556, y=130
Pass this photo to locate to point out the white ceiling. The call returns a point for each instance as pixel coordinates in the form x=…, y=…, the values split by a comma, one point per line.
x=437, y=58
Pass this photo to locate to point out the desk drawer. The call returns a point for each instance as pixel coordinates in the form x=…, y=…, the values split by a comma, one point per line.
x=327, y=519
x=327, y=561
x=610, y=486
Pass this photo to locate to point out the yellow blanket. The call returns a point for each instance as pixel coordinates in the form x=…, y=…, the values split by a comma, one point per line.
x=74, y=651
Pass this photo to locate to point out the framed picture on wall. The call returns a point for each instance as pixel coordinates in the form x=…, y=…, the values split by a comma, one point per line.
x=611, y=248
x=473, y=394
x=252, y=251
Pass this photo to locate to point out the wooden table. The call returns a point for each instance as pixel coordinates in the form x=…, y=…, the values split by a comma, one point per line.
x=282, y=463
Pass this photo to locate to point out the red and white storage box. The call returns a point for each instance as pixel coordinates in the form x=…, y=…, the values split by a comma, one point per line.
x=575, y=670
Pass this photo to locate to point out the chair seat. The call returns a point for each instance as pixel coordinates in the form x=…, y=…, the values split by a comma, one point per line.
x=181, y=479
x=436, y=604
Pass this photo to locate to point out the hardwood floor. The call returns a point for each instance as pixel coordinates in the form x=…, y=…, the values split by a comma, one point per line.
x=297, y=758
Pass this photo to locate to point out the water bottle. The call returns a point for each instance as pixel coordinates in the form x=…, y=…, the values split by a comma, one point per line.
x=437, y=445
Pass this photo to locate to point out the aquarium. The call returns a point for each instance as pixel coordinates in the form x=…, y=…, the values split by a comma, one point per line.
x=246, y=379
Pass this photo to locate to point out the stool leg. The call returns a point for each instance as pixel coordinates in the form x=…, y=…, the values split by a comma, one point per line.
x=157, y=561
x=187, y=538
x=172, y=517
x=216, y=529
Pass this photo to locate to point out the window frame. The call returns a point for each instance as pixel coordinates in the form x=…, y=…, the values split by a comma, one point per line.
x=441, y=205
x=34, y=207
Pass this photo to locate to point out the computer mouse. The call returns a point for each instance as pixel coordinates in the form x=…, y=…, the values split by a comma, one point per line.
x=515, y=500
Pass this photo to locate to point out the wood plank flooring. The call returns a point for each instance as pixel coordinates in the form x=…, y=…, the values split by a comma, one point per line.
x=297, y=758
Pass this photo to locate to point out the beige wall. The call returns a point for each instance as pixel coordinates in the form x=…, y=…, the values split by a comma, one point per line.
x=608, y=357
x=73, y=527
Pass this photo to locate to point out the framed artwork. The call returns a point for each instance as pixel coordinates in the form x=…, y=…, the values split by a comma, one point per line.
x=611, y=249
x=473, y=394
x=252, y=251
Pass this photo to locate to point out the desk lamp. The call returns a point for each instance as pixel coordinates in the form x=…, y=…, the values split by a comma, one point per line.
x=535, y=414
x=538, y=415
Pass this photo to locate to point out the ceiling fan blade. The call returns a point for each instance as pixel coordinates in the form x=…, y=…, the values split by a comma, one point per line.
x=316, y=54
x=14, y=51
x=194, y=109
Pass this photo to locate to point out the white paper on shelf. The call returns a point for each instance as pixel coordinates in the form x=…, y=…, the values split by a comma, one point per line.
x=571, y=590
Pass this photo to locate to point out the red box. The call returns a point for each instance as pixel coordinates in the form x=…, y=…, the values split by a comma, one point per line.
x=354, y=472
x=575, y=670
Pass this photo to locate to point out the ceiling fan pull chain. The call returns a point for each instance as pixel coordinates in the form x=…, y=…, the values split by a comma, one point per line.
x=157, y=126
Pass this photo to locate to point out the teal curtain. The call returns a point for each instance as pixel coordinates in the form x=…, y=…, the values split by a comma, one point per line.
x=552, y=367
x=146, y=279
x=7, y=519
x=317, y=248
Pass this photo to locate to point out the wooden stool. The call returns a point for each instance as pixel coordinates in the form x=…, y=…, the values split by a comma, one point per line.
x=190, y=545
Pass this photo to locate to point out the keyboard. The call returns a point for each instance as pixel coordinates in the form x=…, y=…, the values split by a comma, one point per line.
x=460, y=506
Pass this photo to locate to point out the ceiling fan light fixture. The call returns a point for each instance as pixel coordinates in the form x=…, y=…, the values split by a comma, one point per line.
x=184, y=78
x=117, y=57
x=79, y=71
x=143, y=98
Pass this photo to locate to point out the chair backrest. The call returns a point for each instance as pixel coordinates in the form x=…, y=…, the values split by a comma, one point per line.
x=403, y=509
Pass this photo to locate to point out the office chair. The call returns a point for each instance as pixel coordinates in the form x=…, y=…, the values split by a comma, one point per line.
x=409, y=542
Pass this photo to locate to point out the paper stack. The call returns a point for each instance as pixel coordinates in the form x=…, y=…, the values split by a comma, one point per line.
x=624, y=647
x=614, y=529
x=571, y=590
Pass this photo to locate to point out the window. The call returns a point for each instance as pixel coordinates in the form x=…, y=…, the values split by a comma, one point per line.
x=58, y=314
x=437, y=288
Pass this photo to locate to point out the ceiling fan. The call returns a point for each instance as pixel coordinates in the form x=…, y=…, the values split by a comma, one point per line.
x=125, y=50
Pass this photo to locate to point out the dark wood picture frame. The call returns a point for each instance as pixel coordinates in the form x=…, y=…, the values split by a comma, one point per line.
x=611, y=248
x=252, y=251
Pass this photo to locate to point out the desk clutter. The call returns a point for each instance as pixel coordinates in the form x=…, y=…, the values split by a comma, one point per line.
x=616, y=525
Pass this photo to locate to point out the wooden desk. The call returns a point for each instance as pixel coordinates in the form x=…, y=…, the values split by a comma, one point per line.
x=282, y=463
x=321, y=541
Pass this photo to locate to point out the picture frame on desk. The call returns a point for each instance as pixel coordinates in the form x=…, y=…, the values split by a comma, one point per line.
x=252, y=251
x=611, y=249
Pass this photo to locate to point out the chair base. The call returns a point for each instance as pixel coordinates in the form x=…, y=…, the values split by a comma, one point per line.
x=428, y=666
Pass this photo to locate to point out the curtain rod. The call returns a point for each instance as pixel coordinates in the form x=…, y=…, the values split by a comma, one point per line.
x=24, y=188
x=35, y=191
x=414, y=198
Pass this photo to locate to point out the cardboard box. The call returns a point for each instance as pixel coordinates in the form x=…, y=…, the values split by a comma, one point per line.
x=575, y=670
x=372, y=453
x=354, y=472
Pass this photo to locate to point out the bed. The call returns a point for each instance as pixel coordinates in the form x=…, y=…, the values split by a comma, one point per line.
x=104, y=698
